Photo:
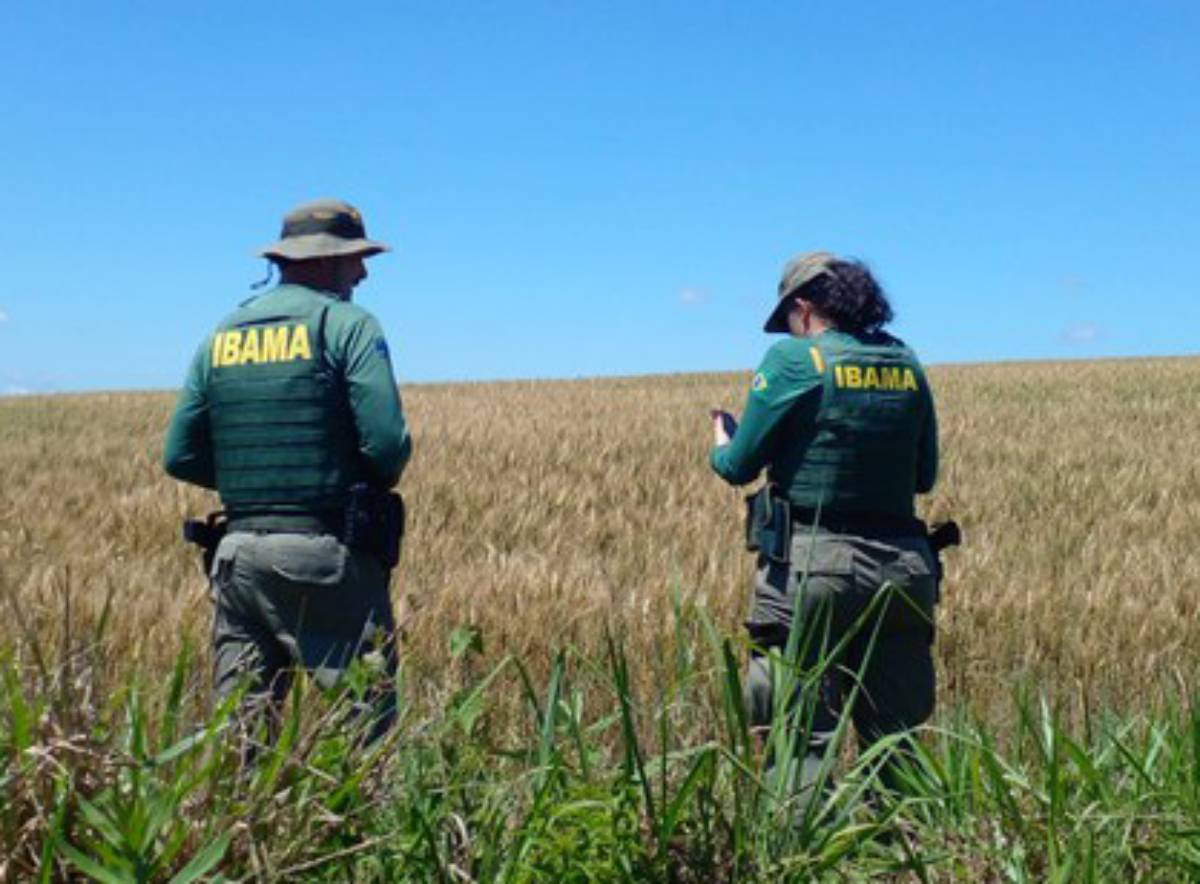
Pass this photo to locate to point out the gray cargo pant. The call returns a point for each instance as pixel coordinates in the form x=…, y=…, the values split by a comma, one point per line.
x=300, y=600
x=878, y=594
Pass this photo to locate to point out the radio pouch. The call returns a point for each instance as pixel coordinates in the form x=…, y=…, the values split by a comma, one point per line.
x=375, y=523
x=769, y=524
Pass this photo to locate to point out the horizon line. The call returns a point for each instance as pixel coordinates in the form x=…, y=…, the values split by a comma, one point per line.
x=1036, y=360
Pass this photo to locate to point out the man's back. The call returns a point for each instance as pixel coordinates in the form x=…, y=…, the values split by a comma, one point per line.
x=289, y=403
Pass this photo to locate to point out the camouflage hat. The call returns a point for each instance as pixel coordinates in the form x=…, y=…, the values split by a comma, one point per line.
x=797, y=273
x=322, y=229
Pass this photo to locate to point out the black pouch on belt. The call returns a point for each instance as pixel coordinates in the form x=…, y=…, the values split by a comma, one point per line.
x=207, y=535
x=769, y=524
x=375, y=523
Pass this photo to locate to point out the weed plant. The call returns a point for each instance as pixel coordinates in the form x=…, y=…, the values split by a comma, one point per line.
x=135, y=790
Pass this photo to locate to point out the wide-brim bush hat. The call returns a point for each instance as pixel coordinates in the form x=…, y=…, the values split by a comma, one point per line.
x=324, y=228
x=797, y=273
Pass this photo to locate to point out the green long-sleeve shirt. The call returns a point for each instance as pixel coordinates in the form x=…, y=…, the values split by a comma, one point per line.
x=355, y=351
x=839, y=421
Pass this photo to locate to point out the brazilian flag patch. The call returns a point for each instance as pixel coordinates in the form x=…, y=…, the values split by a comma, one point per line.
x=759, y=383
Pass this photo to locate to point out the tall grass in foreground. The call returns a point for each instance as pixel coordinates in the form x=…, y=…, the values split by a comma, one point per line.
x=591, y=785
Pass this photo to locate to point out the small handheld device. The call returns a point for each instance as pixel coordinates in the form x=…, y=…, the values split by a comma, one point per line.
x=728, y=422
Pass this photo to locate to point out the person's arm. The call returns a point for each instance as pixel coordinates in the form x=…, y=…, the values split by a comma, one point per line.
x=187, y=452
x=786, y=376
x=383, y=437
x=927, y=447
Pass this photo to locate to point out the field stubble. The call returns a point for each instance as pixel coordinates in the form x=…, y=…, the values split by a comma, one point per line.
x=543, y=513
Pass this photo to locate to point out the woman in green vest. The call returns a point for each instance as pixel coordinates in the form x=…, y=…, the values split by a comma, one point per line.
x=841, y=418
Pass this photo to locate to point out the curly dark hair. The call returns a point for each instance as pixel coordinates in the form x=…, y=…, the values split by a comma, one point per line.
x=849, y=297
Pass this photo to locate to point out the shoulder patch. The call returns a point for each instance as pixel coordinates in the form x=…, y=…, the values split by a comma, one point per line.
x=381, y=348
x=759, y=383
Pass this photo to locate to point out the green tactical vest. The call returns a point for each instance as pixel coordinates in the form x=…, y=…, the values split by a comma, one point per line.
x=283, y=436
x=860, y=453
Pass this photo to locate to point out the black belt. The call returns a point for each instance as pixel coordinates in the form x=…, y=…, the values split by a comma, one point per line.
x=878, y=524
x=332, y=522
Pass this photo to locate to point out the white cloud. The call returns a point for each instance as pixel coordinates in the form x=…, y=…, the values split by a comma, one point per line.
x=23, y=383
x=1080, y=333
x=3, y=317
x=691, y=296
x=1072, y=284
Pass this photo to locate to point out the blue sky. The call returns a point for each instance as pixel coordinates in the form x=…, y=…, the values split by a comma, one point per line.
x=578, y=189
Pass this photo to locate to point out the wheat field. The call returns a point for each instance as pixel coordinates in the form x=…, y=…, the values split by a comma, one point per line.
x=543, y=514
x=571, y=596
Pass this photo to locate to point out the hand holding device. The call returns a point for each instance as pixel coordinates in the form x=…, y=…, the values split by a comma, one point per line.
x=724, y=425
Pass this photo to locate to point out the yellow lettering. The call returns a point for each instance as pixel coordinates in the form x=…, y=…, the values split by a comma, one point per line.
x=299, y=348
x=216, y=350
x=250, y=347
x=231, y=347
x=872, y=377
x=275, y=343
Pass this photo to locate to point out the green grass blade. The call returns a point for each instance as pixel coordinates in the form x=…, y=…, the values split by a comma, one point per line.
x=204, y=861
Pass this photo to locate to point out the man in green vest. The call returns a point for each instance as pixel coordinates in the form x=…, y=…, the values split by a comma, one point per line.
x=841, y=417
x=290, y=412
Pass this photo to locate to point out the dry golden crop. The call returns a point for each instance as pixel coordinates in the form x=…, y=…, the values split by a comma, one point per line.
x=544, y=513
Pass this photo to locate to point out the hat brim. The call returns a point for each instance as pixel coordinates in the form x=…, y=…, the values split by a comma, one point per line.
x=321, y=245
x=777, y=322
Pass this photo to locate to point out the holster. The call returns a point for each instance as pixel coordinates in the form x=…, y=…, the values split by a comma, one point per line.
x=765, y=636
x=940, y=536
x=375, y=523
x=769, y=524
x=206, y=534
